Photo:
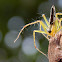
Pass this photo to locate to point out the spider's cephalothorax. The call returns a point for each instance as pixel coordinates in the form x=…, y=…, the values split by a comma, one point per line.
x=52, y=27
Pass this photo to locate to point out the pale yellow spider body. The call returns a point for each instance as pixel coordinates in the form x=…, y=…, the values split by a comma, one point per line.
x=54, y=28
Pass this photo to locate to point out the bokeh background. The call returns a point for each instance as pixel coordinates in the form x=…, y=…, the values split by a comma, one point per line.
x=14, y=14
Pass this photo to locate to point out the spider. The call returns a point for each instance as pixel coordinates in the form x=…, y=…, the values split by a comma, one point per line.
x=52, y=27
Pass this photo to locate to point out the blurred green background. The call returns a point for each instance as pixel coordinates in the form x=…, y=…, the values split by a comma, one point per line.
x=14, y=14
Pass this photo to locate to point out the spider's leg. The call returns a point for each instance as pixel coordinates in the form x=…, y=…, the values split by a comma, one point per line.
x=60, y=20
x=44, y=26
x=43, y=15
x=34, y=40
x=58, y=14
x=43, y=32
x=56, y=24
x=45, y=29
x=40, y=27
x=38, y=21
x=45, y=19
x=59, y=29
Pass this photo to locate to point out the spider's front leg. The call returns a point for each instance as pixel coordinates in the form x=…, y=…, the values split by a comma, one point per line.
x=58, y=21
x=43, y=32
x=43, y=15
x=38, y=21
x=58, y=14
x=38, y=31
x=60, y=27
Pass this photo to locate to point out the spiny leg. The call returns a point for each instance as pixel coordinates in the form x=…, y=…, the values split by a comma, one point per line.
x=57, y=22
x=34, y=40
x=38, y=21
x=44, y=26
x=40, y=27
x=58, y=14
x=45, y=29
x=43, y=15
x=60, y=20
x=60, y=27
